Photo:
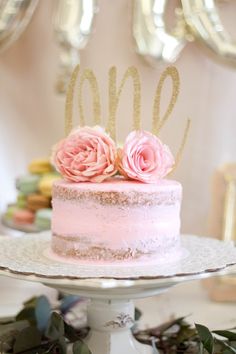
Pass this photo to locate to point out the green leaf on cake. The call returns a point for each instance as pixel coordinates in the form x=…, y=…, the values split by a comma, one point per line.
x=226, y=334
x=28, y=314
x=225, y=347
x=31, y=302
x=8, y=334
x=62, y=345
x=206, y=338
x=80, y=347
x=27, y=339
x=56, y=327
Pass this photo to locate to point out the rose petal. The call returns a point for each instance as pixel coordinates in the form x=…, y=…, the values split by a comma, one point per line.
x=145, y=157
x=87, y=154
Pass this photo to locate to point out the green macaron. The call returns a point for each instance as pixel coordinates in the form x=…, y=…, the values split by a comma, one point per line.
x=11, y=208
x=43, y=219
x=21, y=200
x=28, y=184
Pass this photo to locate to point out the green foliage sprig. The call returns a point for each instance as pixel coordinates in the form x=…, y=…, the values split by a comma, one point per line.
x=41, y=329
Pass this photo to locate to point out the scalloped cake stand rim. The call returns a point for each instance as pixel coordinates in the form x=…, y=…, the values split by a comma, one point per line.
x=105, y=282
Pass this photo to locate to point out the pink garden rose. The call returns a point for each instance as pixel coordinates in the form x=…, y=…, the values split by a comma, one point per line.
x=86, y=154
x=144, y=158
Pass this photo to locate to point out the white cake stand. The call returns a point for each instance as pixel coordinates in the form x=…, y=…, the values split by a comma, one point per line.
x=112, y=288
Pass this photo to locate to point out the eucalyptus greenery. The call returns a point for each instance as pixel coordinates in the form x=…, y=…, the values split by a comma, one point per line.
x=41, y=329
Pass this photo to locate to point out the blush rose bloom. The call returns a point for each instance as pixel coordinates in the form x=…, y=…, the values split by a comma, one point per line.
x=85, y=155
x=144, y=158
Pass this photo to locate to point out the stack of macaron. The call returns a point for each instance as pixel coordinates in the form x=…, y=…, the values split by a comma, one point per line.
x=32, y=209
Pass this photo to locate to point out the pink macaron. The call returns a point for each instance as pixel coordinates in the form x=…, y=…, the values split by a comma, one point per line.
x=23, y=216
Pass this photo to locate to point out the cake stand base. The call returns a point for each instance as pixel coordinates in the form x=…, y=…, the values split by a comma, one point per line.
x=110, y=323
x=111, y=311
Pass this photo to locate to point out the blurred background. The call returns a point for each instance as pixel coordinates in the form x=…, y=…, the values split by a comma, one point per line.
x=41, y=41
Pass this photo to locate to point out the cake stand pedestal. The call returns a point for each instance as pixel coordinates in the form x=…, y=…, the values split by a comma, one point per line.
x=111, y=288
x=110, y=322
x=111, y=311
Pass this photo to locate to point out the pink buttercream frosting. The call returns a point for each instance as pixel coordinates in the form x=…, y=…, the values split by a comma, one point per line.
x=85, y=155
x=145, y=158
x=115, y=219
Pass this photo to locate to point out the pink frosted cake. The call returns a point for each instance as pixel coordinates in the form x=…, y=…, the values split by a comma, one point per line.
x=99, y=217
x=116, y=219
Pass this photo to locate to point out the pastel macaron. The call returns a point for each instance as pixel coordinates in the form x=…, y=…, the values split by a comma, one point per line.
x=37, y=201
x=11, y=208
x=21, y=200
x=23, y=217
x=28, y=184
x=43, y=219
x=46, y=183
x=40, y=166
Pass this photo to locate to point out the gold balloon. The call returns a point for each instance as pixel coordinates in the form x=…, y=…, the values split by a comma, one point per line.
x=73, y=23
x=152, y=38
x=14, y=17
x=204, y=22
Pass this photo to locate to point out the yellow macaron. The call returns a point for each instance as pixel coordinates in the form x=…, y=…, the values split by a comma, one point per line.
x=46, y=183
x=40, y=166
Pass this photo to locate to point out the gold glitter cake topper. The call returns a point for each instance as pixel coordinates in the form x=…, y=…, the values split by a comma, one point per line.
x=114, y=97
